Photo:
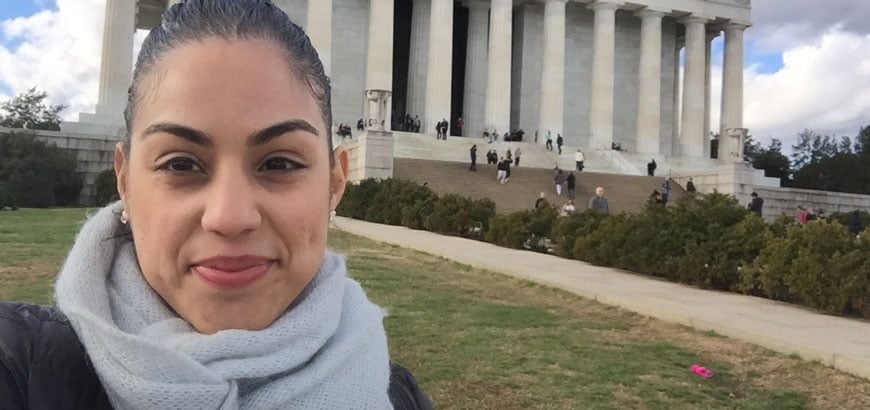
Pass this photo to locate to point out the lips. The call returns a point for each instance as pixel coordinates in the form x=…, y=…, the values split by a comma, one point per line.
x=232, y=272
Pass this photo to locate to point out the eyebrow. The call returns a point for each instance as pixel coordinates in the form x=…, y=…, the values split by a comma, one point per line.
x=258, y=138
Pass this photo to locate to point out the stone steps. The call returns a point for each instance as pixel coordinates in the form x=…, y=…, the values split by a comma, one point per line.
x=625, y=193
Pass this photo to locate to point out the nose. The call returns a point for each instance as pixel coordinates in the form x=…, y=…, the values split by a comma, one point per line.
x=231, y=205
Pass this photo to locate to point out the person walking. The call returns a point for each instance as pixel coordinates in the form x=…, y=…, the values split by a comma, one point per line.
x=579, y=158
x=502, y=172
x=517, y=154
x=651, y=168
x=559, y=142
x=666, y=191
x=559, y=179
x=570, y=182
x=473, y=153
x=756, y=204
x=599, y=202
x=549, y=141
x=507, y=169
x=690, y=187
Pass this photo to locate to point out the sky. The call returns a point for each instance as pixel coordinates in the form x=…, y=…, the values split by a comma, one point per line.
x=807, y=62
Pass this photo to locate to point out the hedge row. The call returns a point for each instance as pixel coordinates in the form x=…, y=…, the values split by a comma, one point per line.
x=707, y=241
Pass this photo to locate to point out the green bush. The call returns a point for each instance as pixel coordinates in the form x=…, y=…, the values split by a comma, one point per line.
x=35, y=174
x=106, y=187
x=394, y=195
x=529, y=229
x=567, y=229
x=414, y=216
x=357, y=198
x=819, y=264
x=458, y=215
x=845, y=218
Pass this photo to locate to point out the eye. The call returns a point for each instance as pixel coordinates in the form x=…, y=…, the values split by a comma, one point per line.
x=181, y=165
x=279, y=164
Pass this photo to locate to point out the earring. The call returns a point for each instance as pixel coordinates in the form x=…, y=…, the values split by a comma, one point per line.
x=125, y=217
x=332, y=214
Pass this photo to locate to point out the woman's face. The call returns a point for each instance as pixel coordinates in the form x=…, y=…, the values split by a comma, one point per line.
x=228, y=183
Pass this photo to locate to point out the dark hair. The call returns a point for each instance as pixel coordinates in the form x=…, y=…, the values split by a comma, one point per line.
x=194, y=20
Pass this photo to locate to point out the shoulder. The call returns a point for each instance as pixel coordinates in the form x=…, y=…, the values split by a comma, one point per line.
x=42, y=363
x=405, y=393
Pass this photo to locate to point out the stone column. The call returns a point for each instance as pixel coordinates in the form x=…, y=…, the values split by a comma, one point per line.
x=418, y=57
x=675, y=136
x=379, y=63
x=319, y=30
x=552, y=106
x=498, y=89
x=440, y=65
x=649, y=110
x=692, y=135
x=601, y=104
x=116, y=64
x=732, y=82
x=708, y=90
x=474, y=100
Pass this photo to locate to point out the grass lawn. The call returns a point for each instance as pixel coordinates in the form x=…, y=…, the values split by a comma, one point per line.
x=477, y=339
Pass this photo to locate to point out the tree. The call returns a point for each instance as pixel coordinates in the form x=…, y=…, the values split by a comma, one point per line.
x=772, y=161
x=28, y=110
x=35, y=174
x=842, y=172
x=862, y=141
x=845, y=146
x=812, y=148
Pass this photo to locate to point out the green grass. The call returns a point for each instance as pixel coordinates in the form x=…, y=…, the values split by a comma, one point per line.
x=477, y=339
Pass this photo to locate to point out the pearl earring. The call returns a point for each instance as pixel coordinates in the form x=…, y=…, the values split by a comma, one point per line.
x=125, y=217
x=332, y=215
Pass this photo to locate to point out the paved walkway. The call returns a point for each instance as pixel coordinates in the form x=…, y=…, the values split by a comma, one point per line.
x=838, y=342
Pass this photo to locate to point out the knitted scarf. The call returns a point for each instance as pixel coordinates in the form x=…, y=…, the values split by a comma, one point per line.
x=327, y=351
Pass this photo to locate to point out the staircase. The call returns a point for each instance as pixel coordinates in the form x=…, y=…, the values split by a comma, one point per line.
x=625, y=193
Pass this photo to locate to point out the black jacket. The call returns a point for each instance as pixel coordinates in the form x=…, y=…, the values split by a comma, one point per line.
x=44, y=366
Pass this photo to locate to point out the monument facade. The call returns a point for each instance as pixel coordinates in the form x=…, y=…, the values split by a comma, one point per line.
x=597, y=72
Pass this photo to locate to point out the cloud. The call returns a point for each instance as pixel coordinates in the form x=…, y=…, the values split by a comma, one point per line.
x=57, y=51
x=782, y=24
x=822, y=86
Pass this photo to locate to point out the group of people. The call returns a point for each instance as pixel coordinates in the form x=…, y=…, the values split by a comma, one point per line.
x=559, y=142
x=598, y=203
x=406, y=123
x=344, y=130
x=442, y=127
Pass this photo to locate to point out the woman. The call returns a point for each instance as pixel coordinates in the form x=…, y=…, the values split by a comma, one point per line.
x=209, y=284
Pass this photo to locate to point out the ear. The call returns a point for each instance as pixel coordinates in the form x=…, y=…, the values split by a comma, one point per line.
x=121, y=171
x=338, y=178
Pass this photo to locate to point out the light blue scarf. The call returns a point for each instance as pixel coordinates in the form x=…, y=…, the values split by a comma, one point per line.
x=327, y=351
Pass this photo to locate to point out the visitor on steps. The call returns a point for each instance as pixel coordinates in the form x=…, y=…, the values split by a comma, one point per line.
x=567, y=209
x=459, y=124
x=599, y=202
x=517, y=154
x=507, y=169
x=756, y=204
x=510, y=155
x=690, y=187
x=559, y=179
x=559, y=142
x=651, y=168
x=579, y=158
x=549, y=141
x=570, y=181
x=473, y=152
x=541, y=201
x=666, y=191
x=502, y=172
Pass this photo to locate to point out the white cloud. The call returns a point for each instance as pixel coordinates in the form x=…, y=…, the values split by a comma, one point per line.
x=822, y=86
x=57, y=51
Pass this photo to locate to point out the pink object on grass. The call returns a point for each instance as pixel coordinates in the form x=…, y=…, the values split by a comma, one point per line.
x=701, y=371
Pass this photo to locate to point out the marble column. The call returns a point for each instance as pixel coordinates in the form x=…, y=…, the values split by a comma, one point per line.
x=319, y=30
x=708, y=88
x=649, y=110
x=601, y=104
x=692, y=135
x=675, y=136
x=439, y=75
x=552, y=106
x=116, y=64
x=498, y=89
x=379, y=62
x=474, y=100
x=732, y=82
x=418, y=57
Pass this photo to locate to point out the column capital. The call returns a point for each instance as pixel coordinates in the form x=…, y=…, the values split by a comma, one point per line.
x=650, y=12
x=712, y=32
x=605, y=5
x=692, y=19
x=736, y=25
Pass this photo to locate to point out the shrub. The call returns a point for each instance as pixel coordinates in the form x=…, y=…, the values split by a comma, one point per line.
x=35, y=174
x=567, y=229
x=393, y=196
x=845, y=218
x=529, y=229
x=414, y=216
x=357, y=198
x=458, y=215
x=106, y=187
x=606, y=244
x=819, y=264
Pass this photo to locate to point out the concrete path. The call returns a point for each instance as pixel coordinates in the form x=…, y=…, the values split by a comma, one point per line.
x=838, y=342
